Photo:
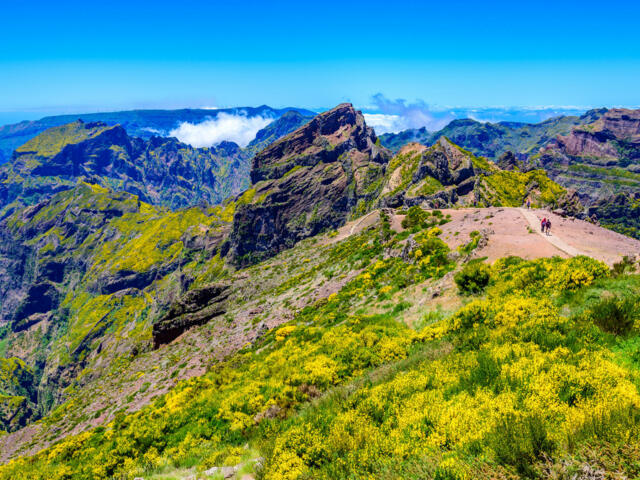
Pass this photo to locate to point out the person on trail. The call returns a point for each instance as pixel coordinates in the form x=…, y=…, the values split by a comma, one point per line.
x=543, y=224
x=528, y=203
x=548, y=226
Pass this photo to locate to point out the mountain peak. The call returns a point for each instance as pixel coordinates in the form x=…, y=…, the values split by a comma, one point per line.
x=323, y=139
x=308, y=181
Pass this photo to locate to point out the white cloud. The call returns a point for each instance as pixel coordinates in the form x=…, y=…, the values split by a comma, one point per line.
x=155, y=131
x=383, y=123
x=397, y=115
x=235, y=128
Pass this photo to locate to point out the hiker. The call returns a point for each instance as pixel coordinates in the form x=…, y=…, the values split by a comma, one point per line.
x=548, y=226
x=528, y=203
x=543, y=224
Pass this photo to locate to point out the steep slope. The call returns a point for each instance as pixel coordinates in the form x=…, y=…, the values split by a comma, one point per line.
x=78, y=275
x=137, y=123
x=311, y=180
x=374, y=379
x=161, y=171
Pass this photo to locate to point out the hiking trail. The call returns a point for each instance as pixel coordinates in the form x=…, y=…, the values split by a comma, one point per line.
x=560, y=244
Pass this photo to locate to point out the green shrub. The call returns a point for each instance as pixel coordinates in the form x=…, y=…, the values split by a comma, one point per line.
x=623, y=266
x=615, y=315
x=473, y=278
x=415, y=217
x=521, y=442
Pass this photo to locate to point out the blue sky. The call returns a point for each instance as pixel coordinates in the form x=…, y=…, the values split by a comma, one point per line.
x=69, y=56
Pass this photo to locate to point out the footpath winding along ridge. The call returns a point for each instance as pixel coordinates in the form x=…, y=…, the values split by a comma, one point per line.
x=516, y=231
x=557, y=242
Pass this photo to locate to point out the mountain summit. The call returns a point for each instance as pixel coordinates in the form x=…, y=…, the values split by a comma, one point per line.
x=308, y=181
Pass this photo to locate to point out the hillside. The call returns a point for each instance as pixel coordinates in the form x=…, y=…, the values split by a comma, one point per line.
x=327, y=322
x=137, y=123
x=596, y=155
x=161, y=171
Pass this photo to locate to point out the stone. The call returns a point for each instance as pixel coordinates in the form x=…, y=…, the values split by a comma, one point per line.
x=196, y=307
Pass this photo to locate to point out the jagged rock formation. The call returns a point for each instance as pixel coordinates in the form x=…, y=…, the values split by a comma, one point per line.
x=308, y=181
x=508, y=161
x=437, y=175
x=197, y=307
x=445, y=175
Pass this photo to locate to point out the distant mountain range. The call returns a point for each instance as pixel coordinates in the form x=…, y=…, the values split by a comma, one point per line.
x=595, y=154
x=137, y=123
x=493, y=139
x=161, y=171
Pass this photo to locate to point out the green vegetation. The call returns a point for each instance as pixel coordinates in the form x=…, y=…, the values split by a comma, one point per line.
x=53, y=140
x=339, y=355
x=511, y=189
x=531, y=375
x=473, y=278
x=417, y=219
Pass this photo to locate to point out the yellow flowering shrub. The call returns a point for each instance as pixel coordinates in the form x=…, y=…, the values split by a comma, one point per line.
x=487, y=392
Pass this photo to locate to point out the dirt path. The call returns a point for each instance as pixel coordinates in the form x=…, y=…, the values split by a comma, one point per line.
x=560, y=244
x=359, y=222
x=516, y=231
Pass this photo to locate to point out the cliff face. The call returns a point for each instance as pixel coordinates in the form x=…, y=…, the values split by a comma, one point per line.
x=600, y=160
x=605, y=141
x=311, y=180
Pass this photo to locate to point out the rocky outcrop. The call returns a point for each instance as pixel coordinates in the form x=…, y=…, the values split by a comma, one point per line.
x=197, y=307
x=435, y=177
x=508, y=161
x=40, y=299
x=326, y=138
x=311, y=180
x=445, y=162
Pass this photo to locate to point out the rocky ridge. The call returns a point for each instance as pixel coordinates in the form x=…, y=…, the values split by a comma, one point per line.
x=309, y=181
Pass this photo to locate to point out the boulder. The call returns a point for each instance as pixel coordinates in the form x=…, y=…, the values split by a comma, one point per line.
x=196, y=307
